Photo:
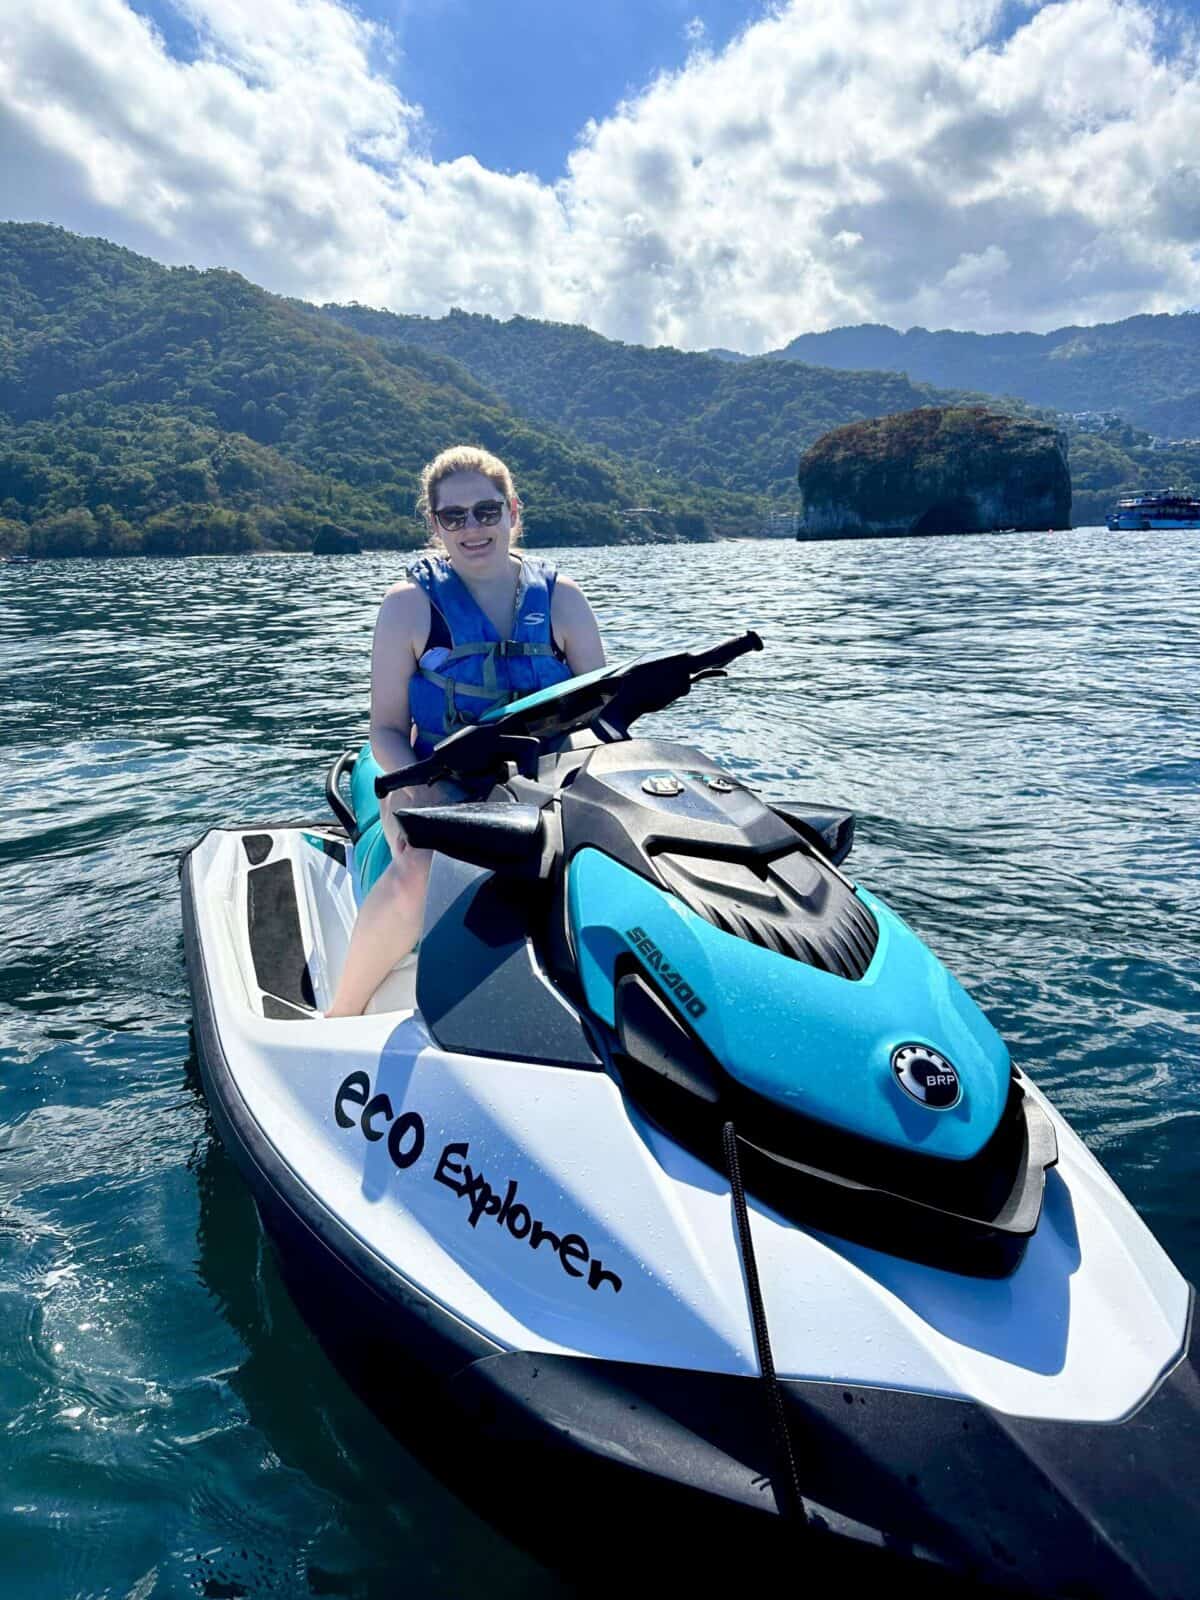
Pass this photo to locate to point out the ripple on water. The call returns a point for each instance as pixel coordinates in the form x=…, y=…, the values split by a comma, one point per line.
x=1016, y=723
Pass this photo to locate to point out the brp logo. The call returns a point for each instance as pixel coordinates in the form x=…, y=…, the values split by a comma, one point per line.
x=926, y=1077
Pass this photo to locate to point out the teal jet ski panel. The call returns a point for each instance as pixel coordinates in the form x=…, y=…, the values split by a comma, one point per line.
x=372, y=853
x=819, y=1044
x=544, y=697
x=363, y=800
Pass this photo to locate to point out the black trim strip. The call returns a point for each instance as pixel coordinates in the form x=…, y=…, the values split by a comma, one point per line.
x=1043, y=1507
x=335, y=849
x=276, y=940
x=344, y=763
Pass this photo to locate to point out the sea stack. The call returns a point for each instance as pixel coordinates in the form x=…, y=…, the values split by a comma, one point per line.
x=937, y=470
x=334, y=541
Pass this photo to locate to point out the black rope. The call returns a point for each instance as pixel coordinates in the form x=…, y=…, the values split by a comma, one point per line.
x=787, y=1488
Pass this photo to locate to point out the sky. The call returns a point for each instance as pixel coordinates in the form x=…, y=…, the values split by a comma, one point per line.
x=690, y=172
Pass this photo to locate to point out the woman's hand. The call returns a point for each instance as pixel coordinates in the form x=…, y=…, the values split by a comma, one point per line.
x=441, y=792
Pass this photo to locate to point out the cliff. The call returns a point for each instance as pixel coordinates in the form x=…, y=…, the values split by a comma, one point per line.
x=942, y=469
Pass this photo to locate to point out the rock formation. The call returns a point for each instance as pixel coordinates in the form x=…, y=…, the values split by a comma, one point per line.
x=941, y=469
x=334, y=541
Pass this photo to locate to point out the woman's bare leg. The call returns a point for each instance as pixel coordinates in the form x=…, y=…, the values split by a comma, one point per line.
x=386, y=928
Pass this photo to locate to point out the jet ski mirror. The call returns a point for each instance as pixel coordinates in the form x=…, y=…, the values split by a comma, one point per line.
x=505, y=838
x=831, y=831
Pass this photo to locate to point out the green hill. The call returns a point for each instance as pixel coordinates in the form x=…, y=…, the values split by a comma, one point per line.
x=1146, y=368
x=741, y=424
x=165, y=409
x=718, y=424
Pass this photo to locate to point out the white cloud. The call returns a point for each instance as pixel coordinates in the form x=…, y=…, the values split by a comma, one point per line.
x=892, y=160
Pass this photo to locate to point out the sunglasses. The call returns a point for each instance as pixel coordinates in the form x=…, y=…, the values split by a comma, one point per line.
x=487, y=514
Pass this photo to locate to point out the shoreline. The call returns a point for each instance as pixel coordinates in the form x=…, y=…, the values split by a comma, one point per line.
x=890, y=535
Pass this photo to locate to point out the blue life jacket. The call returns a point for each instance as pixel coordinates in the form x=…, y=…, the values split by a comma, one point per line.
x=467, y=668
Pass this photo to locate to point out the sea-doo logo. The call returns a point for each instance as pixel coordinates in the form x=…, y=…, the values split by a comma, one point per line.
x=670, y=977
x=926, y=1077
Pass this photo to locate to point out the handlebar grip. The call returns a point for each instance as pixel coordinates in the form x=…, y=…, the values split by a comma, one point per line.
x=408, y=777
x=721, y=654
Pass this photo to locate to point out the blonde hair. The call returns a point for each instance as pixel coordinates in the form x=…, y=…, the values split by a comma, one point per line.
x=467, y=458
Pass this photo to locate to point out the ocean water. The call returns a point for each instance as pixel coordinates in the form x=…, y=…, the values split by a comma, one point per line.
x=1015, y=721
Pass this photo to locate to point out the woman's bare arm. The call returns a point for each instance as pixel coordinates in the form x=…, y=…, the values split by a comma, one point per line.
x=575, y=627
x=400, y=633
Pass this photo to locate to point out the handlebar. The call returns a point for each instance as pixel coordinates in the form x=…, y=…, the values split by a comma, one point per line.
x=421, y=772
x=722, y=654
x=619, y=698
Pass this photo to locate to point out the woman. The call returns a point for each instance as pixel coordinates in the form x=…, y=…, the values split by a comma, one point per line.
x=437, y=662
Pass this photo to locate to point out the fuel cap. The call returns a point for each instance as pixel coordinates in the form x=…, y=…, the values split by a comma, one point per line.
x=926, y=1077
x=718, y=784
x=663, y=784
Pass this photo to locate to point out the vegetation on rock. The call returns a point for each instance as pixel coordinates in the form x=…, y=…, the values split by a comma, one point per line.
x=937, y=470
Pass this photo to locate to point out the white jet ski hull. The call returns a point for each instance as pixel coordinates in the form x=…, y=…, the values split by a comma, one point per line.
x=573, y=1274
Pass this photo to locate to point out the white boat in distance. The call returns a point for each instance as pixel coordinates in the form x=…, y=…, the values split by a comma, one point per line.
x=1170, y=508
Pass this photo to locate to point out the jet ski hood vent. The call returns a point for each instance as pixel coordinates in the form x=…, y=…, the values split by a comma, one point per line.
x=793, y=905
x=803, y=990
x=676, y=818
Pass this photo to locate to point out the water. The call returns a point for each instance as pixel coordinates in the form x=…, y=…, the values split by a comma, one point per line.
x=1016, y=722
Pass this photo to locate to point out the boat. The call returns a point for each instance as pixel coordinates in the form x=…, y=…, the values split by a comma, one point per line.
x=1167, y=509
x=674, y=1160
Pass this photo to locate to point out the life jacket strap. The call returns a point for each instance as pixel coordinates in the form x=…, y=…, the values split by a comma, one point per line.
x=490, y=688
x=507, y=648
x=514, y=647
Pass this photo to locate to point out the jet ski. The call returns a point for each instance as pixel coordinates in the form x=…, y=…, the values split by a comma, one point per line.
x=674, y=1152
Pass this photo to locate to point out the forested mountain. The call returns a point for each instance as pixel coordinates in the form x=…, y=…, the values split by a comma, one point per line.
x=1145, y=368
x=739, y=424
x=165, y=409
x=718, y=424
